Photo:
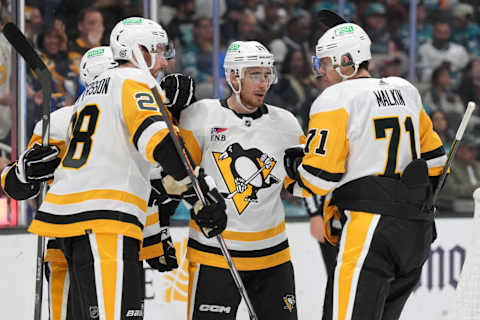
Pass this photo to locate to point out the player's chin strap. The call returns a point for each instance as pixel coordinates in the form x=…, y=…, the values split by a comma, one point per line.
x=345, y=77
x=140, y=62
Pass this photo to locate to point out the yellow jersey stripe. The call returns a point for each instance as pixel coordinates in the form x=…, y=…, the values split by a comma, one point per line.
x=54, y=230
x=150, y=252
x=152, y=219
x=248, y=236
x=99, y=194
x=4, y=175
x=192, y=145
x=153, y=142
x=244, y=264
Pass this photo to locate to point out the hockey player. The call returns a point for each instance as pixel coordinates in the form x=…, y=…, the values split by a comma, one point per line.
x=96, y=208
x=240, y=142
x=371, y=144
x=157, y=248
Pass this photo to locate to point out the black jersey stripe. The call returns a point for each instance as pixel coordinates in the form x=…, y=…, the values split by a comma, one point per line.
x=238, y=253
x=325, y=175
x=144, y=125
x=151, y=240
x=435, y=153
x=86, y=216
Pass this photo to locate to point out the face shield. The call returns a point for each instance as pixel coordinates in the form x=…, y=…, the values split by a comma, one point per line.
x=259, y=74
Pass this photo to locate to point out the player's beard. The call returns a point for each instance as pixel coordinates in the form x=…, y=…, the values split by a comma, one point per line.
x=251, y=101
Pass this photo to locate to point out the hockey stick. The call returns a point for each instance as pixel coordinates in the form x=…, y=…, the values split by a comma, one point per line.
x=453, y=149
x=184, y=157
x=23, y=47
x=253, y=176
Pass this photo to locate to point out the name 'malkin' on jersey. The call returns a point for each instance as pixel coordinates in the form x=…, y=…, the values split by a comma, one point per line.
x=388, y=98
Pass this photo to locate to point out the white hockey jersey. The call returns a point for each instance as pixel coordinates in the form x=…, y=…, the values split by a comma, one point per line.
x=59, y=124
x=365, y=127
x=102, y=182
x=244, y=155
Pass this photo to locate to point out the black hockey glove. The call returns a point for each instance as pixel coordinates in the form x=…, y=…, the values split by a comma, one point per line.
x=37, y=164
x=168, y=261
x=180, y=92
x=211, y=218
x=292, y=159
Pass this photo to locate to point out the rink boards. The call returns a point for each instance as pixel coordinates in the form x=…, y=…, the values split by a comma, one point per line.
x=166, y=294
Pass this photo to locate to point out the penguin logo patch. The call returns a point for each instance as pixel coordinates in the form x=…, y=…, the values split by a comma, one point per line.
x=245, y=172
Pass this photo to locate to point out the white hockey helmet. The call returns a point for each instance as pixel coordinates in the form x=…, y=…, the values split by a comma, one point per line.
x=346, y=44
x=94, y=62
x=244, y=54
x=132, y=32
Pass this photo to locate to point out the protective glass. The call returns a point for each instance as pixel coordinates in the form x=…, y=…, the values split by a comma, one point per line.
x=268, y=74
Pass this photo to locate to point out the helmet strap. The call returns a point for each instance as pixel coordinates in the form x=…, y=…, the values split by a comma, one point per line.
x=237, y=93
x=345, y=77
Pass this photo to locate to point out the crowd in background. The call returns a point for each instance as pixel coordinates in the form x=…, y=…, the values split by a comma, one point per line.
x=447, y=66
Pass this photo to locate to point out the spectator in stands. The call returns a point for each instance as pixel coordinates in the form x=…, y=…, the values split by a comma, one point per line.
x=442, y=128
x=440, y=49
x=33, y=23
x=180, y=28
x=52, y=42
x=196, y=59
x=296, y=37
x=469, y=89
x=423, y=27
x=247, y=29
x=296, y=88
x=272, y=23
x=229, y=26
x=465, y=31
x=383, y=46
x=441, y=97
x=395, y=66
x=464, y=177
x=90, y=31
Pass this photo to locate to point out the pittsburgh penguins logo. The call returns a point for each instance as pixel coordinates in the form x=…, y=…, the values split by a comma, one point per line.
x=245, y=172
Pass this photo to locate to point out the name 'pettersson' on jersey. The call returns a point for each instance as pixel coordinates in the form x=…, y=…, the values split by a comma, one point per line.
x=99, y=87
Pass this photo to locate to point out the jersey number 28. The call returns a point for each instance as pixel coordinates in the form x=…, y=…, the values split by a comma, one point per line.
x=84, y=125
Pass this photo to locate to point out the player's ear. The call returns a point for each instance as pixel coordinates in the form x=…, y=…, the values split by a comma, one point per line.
x=234, y=80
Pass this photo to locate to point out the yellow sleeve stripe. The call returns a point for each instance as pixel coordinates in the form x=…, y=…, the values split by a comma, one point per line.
x=152, y=219
x=154, y=141
x=192, y=145
x=435, y=171
x=35, y=139
x=102, y=194
x=248, y=236
x=150, y=252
